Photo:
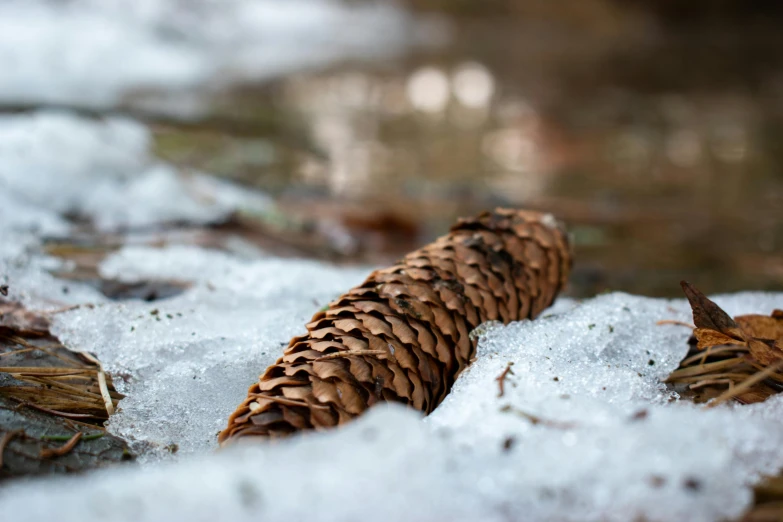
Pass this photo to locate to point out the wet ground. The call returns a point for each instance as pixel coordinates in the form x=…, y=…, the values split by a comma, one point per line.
x=660, y=147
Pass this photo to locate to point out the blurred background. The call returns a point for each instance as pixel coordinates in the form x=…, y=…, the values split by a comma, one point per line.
x=653, y=128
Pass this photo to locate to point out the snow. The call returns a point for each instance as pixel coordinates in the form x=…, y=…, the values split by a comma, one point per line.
x=100, y=53
x=322, y=479
x=612, y=442
x=615, y=444
x=103, y=170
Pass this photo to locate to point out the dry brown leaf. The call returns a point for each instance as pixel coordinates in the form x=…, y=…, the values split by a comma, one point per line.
x=16, y=318
x=708, y=338
x=714, y=327
x=45, y=375
x=768, y=327
x=708, y=315
x=744, y=354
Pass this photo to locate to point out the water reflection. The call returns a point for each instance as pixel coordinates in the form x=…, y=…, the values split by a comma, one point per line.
x=658, y=182
x=427, y=90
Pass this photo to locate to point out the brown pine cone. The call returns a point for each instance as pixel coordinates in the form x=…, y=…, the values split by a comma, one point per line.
x=403, y=335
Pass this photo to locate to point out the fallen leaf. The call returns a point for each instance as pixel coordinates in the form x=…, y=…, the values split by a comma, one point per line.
x=708, y=315
x=743, y=354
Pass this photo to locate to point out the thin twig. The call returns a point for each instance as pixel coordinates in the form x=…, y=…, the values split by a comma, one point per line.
x=675, y=322
x=502, y=378
x=5, y=440
x=105, y=393
x=18, y=340
x=22, y=342
x=701, y=356
x=704, y=368
x=17, y=352
x=56, y=412
x=708, y=382
x=64, y=309
x=745, y=385
x=76, y=391
x=64, y=438
x=53, y=351
x=101, y=383
x=536, y=420
x=40, y=371
x=734, y=377
x=48, y=453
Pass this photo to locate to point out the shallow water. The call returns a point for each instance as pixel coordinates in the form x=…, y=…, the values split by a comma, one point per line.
x=659, y=147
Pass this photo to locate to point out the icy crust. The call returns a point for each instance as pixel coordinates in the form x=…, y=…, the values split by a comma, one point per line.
x=380, y=468
x=185, y=363
x=593, y=432
x=101, y=52
x=102, y=170
x=385, y=466
x=583, y=431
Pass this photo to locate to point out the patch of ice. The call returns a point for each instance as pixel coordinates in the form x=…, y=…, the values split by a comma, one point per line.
x=97, y=52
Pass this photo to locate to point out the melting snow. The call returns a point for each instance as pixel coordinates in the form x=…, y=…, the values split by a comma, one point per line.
x=609, y=441
x=583, y=431
x=104, y=171
x=104, y=52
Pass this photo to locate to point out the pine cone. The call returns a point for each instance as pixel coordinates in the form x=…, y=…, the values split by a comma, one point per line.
x=403, y=335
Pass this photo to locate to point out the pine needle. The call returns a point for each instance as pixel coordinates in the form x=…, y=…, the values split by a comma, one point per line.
x=745, y=385
x=66, y=448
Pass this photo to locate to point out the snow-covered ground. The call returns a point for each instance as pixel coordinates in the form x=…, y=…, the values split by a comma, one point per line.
x=584, y=430
x=102, y=171
x=98, y=53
